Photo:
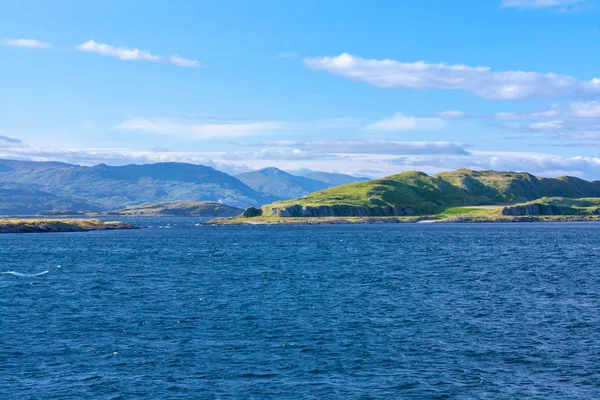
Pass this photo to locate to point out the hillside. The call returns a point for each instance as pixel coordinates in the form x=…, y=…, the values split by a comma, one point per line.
x=416, y=193
x=180, y=209
x=63, y=186
x=505, y=186
x=275, y=182
x=555, y=206
x=30, y=201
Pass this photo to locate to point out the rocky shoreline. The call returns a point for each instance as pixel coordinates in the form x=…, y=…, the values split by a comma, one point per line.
x=393, y=220
x=59, y=225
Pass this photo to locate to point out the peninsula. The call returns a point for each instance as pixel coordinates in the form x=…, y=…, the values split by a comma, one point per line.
x=459, y=196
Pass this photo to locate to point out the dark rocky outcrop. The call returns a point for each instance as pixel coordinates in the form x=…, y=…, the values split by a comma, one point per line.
x=537, y=209
x=251, y=212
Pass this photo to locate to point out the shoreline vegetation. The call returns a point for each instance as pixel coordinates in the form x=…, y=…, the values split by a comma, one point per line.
x=440, y=218
x=37, y=225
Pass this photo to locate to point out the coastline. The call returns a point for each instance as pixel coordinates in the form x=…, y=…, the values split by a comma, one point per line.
x=37, y=225
x=439, y=219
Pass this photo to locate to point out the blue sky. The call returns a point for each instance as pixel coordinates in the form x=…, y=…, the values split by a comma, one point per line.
x=362, y=87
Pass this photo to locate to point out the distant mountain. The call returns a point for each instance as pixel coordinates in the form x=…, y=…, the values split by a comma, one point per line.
x=275, y=182
x=334, y=179
x=31, y=201
x=29, y=166
x=62, y=186
x=416, y=193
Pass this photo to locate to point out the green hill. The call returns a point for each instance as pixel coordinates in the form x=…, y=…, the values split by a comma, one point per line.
x=416, y=193
x=555, y=206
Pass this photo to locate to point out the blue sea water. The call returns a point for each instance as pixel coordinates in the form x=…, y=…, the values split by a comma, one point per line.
x=182, y=311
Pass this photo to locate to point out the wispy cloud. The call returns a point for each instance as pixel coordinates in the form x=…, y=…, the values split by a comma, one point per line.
x=535, y=163
x=28, y=43
x=186, y=130
x=11, y=141
x=126, y=53
x=481, y=81
x=184, y=62
x=402, y=122
x=452, y=114
x=540, y=3
x=272, y=154
x=574, y=121
x=366, y=147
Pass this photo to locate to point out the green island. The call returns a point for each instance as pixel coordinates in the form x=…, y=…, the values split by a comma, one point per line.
x=459, y=196
x=160, y=209
x=36, y=225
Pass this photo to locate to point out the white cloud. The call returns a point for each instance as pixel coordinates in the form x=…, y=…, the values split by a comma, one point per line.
x=184, y=62
x=402, y=122
x=29, y=43
x=585, y=109
x=283, y=154
x=575, y=121
x=548, y=126
x=581, y=109
x=451, y=114
x=481, y=81
x=551, y=112
x=367, y=147
x=539, y=3
x=540, y=164
x=184, y=129
x=126, y=53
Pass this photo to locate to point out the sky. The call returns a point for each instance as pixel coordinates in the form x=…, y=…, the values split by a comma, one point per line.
x=369, y=88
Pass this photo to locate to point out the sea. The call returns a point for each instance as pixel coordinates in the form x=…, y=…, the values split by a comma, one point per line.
x=179, y=310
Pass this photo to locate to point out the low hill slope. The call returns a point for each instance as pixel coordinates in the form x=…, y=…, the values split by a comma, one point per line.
x=180, y=209
x=414, y=193
x=555, y=206
x=275, y=182
x=519, y=186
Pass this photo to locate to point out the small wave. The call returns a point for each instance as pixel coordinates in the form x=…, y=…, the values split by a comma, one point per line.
x=24, y=275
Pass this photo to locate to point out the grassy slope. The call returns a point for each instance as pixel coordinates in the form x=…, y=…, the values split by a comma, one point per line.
x=565, y=206
x=431, y=195
x=425, y=194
